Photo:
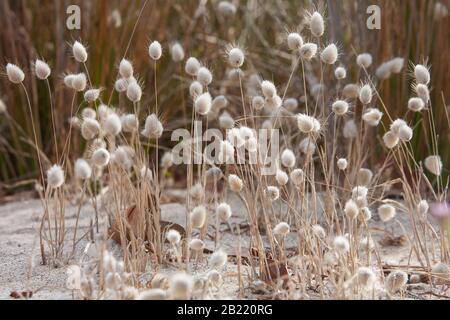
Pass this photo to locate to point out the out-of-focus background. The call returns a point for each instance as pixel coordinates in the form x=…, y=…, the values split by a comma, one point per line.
x=37, y=28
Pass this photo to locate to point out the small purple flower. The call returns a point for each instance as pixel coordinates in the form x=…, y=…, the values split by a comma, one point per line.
x=440, y=210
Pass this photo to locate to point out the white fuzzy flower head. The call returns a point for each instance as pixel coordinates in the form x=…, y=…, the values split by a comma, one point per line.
x=351, y=209
x=422, y=74
x=226, y=121
x=257, y=103
x=288, y=158
x=192, y=66
x=329, y=55
x=134, y=92
x=235, y=183
x=386, y=212
x=153, y=128
x=342, y=163
x=365, y=94
x=173, y=236
x=364, y=177
x=396, y=64
x=351, y=91
x=126, y=69
x=372, y=117
x=340, y=73
x=268, y=89
x=290, y=104
x=440, y=11
x=422, y=92
x=79, y=82
x=218, y=259
x=405, y=133
x=88, y=113
x=195, y=89
x=295, y=41
x=177, y=52
x=155, y=50
x=55, y=176
x=203, y=103
x=90, y=128
x=198, y=216
x=434, y=165
x=350, y=130
x=121, y=85
x=396, y=280
x=366, y=213
x=308, y=51
x=14, y=73
x=219, y=102
x=130, y=123
x=181, y=285
x=42, y=69
x=307, y=124
x=204, y=76
x=341, y=244
x=82, y=169
x=3, y=108
x=272, y=193
x=224, y=212
x=364, y=60
x=307, y=146
x=226, y=8
x=316, y=24
x=68, y=80
x=396, y=125
x=390, y=139
x=365, y=277
x=340, y=107
x=196, y=245
x=281, y=177
x=416, y=104
x=91, y=95
x=123, y=157
x=236, y=57
x=281, y=229
x=297, y=177
x=319, y=231
x=79, y=52
x=100, y=157
x=273, y=103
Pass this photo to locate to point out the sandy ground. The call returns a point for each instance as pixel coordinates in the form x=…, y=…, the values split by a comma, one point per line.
x=19, y=249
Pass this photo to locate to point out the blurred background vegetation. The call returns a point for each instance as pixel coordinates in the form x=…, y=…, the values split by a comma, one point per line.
x=32, y=29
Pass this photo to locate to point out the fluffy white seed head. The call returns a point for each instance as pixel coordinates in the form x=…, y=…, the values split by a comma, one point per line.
x=126, y=69
x=341, y=244
x=224, y=212
x=281, y=177
x=177, y=52
x=342, y=163
x=195, y=89
x=3, y=108
x=204, y=76
x=422, y=92
x=257, y=103
x=364, y=177
x=90, y=128
x=365, y=277
x=272, y=193
x=350, y=130
x=351, y=209
x=268, y=89
x=79, y=82
x=219, y=102
x=68, y=80
x=198, y=216
x=365, y=94
x=82, y=169
x=290, y=104
x=305, y=123
x=340, y=107
x=203, y=103
x=155, y=50
x=405, y=133
x=316, y=24
x=134, y=92
x=91, y=95
x=396, y=65
x=340, y=73
x=121, y=85
x=181, y=285
x=319, y=231
x=236, y=58
x=372, y=117
x=396, y=280
x=383, y=71
x=226, y=121
x=351, y=91
x=79, y=52
x=123, y=157
x=359, y=191
x=390, y=139
x=235, y=183
x=422, y=74
x=88, y=112
x=386, y=212
x=423, y=207
x=308, y=51
x=281, y=229
x=416, y=104
x=226, y=8
x=101, y=157
x=396, y=125
x=196, y=244
x=14, y=73
x=297, y=177
x=366, y=213
x=42, y=69
x=173, y=236
x=55, y=176
x=364, y=60
x=192, y=66
x=307, y=146
x=273, y=103
x=295, y=41
x=288, y=158
x=434, y=164
x=440, y=11
x=329, y=55
x=130, y=122
x=218, y=259
x=153, y=128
